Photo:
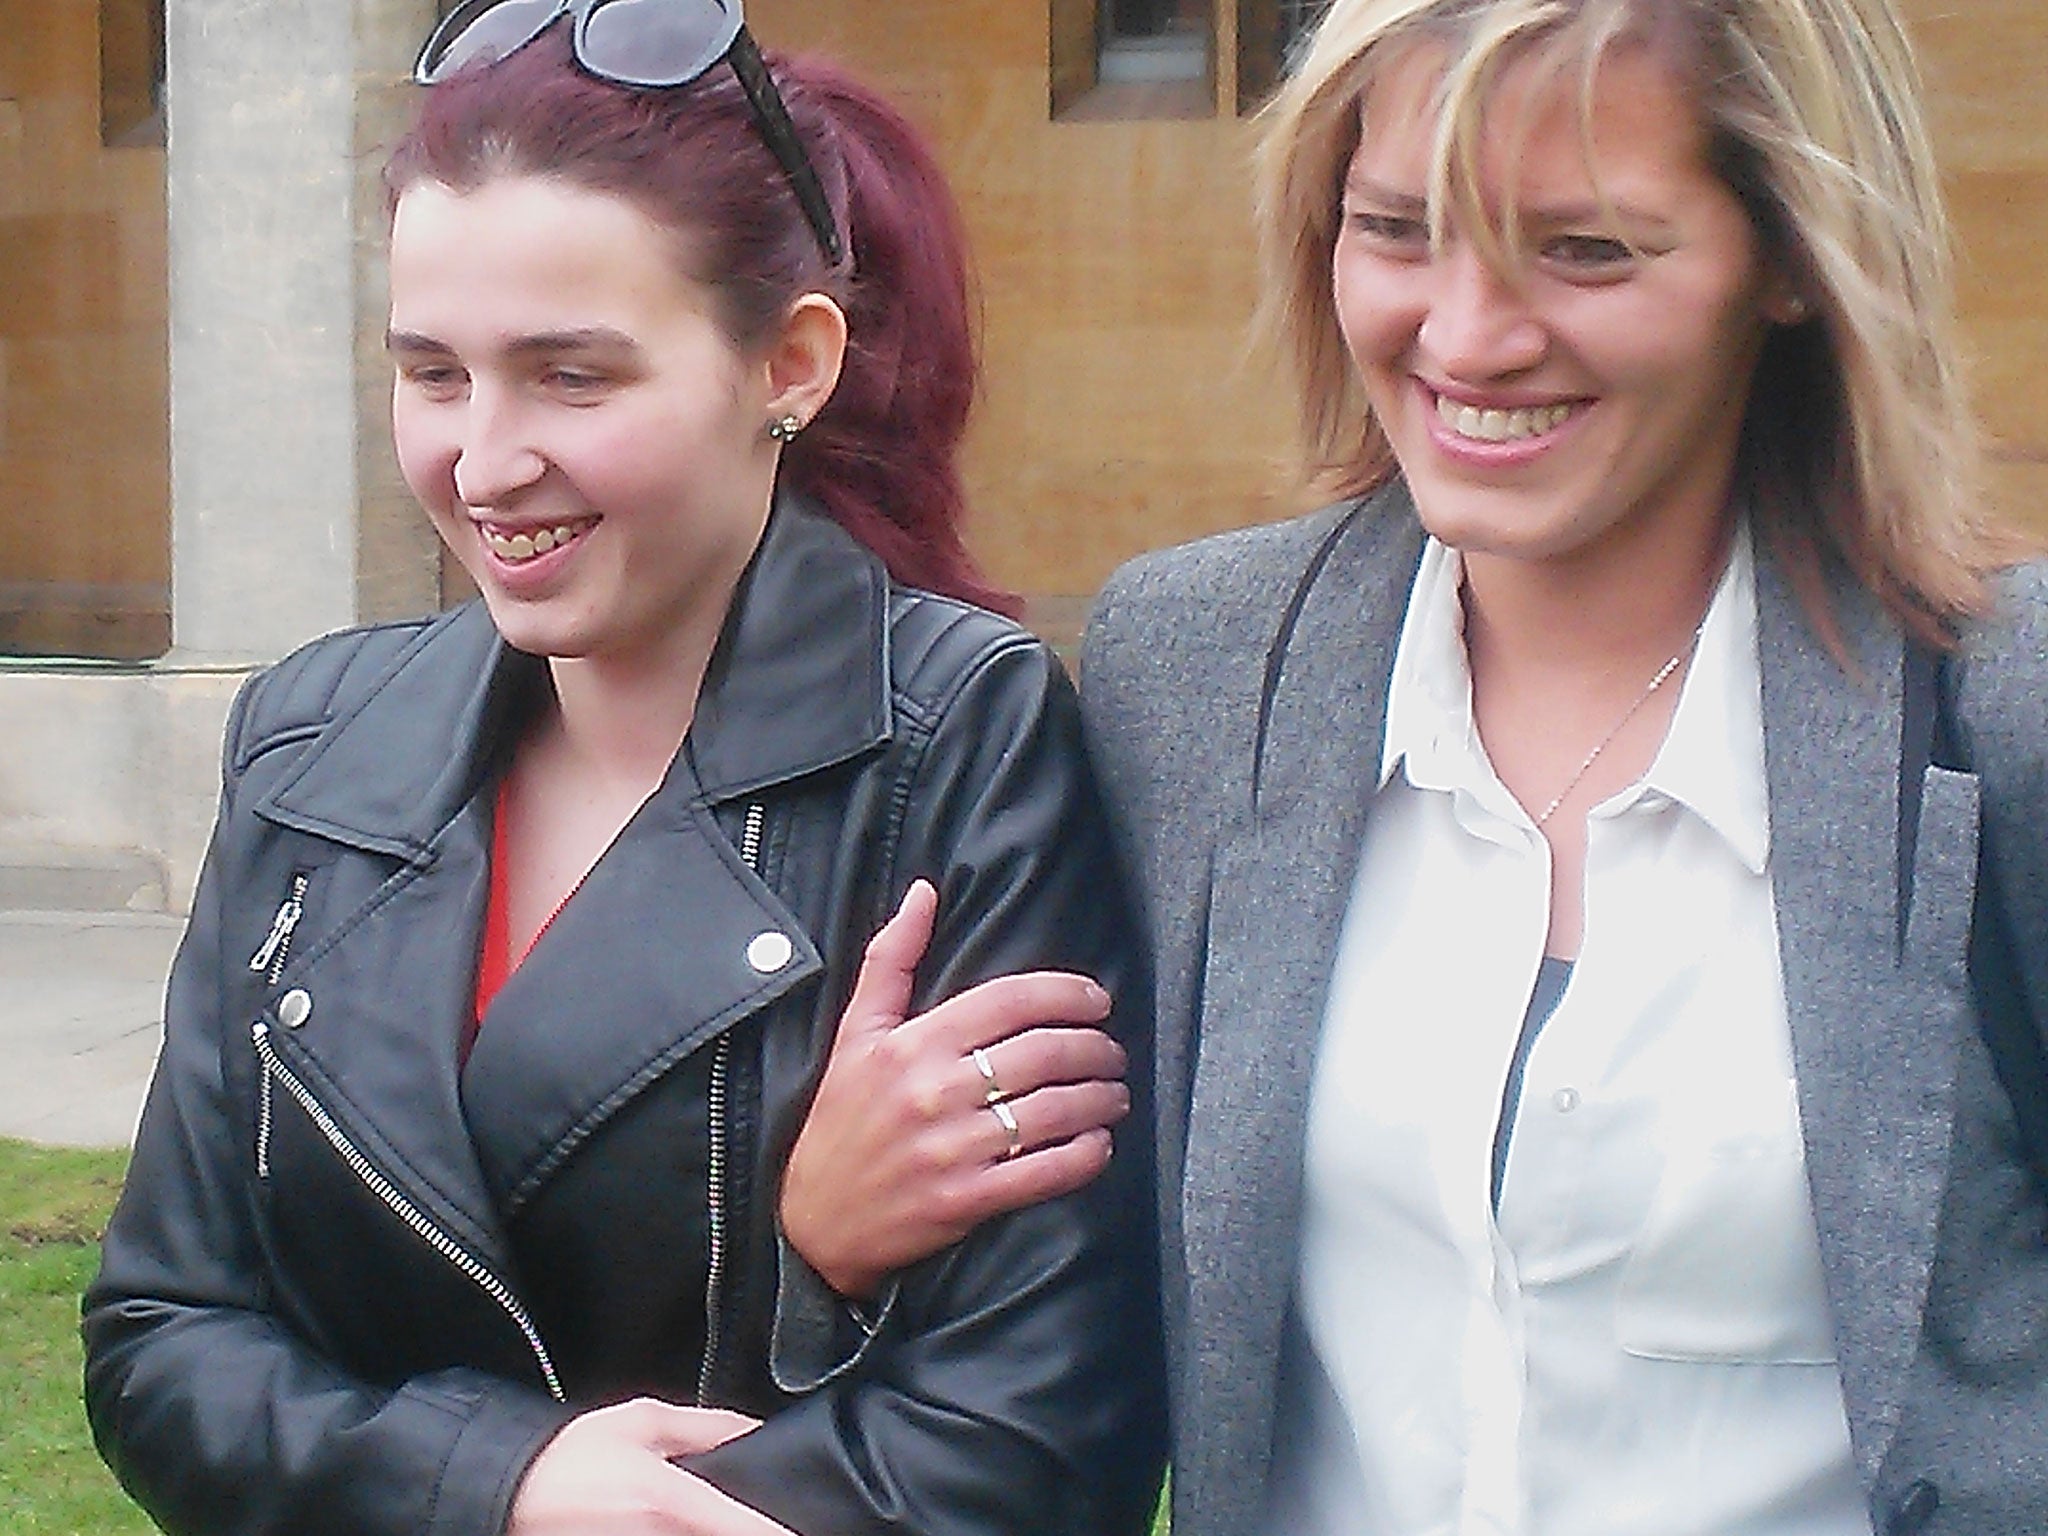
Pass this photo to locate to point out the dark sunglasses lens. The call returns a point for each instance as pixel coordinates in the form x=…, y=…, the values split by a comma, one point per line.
x=655, y=42
x=499, y=29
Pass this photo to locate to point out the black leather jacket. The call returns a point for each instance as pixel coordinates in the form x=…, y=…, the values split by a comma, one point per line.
x=354, y=1285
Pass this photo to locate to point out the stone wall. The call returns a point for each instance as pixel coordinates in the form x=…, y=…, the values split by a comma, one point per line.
x=1985, y=63
x=84, y=489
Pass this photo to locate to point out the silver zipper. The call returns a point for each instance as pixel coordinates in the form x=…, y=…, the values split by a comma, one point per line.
x=277, y=944
x=389, y=1193
x=714, y=1274
x=263, y=1120
x=714, y=1179
x=272, y=953
x=750, y=837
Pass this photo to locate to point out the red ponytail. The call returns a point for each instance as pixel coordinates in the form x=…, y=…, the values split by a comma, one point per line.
x=883, y=456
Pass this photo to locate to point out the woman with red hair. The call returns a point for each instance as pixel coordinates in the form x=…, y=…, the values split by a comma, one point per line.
x=527, y=930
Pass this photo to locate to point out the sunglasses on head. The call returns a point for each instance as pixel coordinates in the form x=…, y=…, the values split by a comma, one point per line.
x=652, y=44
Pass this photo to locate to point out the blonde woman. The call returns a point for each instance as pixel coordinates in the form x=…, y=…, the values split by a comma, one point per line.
x=1595, y=869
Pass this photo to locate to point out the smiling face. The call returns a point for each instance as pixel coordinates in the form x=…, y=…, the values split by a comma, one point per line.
x=573, y=419
x=1590, y=396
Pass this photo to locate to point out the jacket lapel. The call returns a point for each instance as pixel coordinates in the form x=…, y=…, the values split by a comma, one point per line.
x=1873, y=1039
x=669, y=941
x=387, y=953
x=389, y=774
x=1282, y=877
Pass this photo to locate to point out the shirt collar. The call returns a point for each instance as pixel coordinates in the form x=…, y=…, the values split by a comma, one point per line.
x=1712, y=760
x=1429, y=697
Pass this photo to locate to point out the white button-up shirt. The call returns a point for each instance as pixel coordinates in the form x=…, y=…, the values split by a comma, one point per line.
x=1639, y=1342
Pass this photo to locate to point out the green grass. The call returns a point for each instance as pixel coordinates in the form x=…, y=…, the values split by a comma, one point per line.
x=53, y=1207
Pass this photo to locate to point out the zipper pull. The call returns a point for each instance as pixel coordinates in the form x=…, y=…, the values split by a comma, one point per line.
x=281, y=926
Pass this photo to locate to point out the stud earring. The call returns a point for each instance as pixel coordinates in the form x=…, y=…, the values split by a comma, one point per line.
x=784, y=429
x=1794, y=309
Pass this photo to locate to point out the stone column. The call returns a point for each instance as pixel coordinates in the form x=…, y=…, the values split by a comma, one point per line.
x=267, y=225
x=398, y=557
x=288, y=517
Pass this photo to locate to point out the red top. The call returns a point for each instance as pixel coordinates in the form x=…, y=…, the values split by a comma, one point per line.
x=494, y=963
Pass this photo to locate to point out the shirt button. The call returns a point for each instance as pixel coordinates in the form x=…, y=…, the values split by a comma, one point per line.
x=294, y=1008
x=769, y=952
x=1565, y=1100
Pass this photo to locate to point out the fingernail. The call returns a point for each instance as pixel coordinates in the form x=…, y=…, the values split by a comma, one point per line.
x=1097, y=996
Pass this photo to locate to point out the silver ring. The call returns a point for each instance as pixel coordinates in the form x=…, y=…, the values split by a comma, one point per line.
x=993, y=1094
x=1002, y=1113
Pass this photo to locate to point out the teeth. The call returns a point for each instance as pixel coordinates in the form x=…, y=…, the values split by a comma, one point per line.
x=1492, y=426
x=525, y=546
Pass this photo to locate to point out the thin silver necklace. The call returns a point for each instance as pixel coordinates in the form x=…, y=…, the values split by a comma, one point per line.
x=1677, y=660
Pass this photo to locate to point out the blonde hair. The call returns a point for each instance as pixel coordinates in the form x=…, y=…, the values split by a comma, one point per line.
x=1859, y=443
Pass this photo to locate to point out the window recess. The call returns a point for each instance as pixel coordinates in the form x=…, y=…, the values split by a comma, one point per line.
x=1124, y=59
x=1271, y=35
x=132, y=74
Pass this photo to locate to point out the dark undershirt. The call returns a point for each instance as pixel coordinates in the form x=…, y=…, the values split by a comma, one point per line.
x=1552, y=977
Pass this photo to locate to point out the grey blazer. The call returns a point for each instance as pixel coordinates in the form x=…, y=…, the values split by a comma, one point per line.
x=1235, y=692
